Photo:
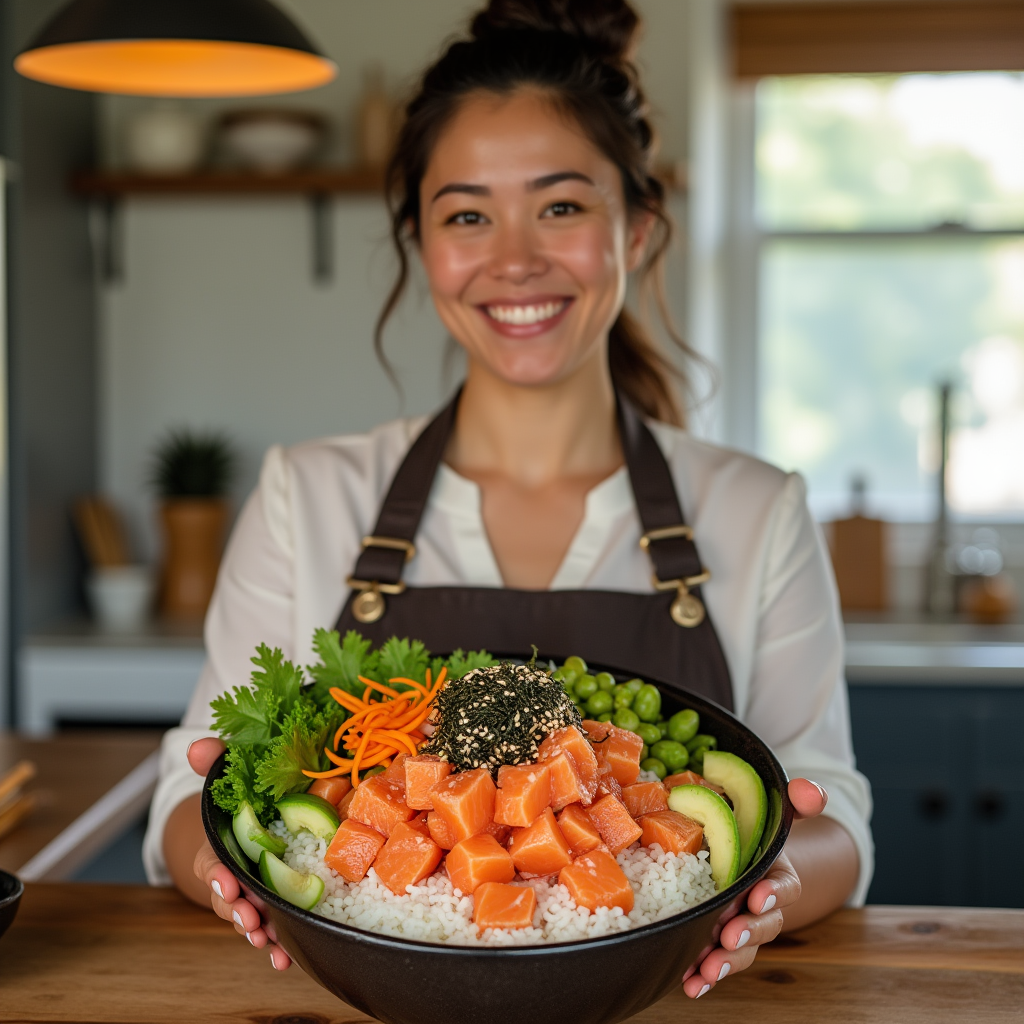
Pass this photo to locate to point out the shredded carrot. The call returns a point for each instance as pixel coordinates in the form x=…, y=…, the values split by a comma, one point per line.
x=383, y=723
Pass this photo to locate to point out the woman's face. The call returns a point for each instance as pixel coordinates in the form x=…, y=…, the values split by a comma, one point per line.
x=525, y=238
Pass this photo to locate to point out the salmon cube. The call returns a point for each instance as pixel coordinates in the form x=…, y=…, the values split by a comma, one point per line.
x=606, y=781
x=395, y=772
x=466, y=802
x=583, y=779
x=440, y=831
x=476, y=860
x=407, y=857
x=353, y=849
x=644, y=798
x=621, y=749
x=613, y=821
x=579, y=831
x=673, y=832
x=596, y=880
x=333, y=790
x=496, y=905
x=540, y=848
x=380, y=803
x=596, y=731
x=689, y=779
x=422, y=773
x=346, y=802
x=499, y=832
x=524, y=790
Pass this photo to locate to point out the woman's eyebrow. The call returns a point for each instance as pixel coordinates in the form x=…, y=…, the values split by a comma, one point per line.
x=458, y=186
x=536, y=185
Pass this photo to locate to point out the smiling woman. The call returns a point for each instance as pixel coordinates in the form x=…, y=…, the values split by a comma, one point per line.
x=545, y=504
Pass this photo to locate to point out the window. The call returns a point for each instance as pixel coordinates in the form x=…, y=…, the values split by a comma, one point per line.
x=891, y=218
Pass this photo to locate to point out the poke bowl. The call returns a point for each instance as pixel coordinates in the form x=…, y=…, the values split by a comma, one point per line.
x=591, y=980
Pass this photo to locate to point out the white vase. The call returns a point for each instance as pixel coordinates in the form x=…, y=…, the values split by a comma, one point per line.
x=165, y=139
x=121, y=596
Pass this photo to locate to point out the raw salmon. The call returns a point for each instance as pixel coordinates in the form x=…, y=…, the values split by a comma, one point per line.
x=440, y=831
x=606, y=781
x=596, y=731
x=395, y=772
x=689, y=779
x=466, y=802
x=380, y=803
x=644, y=797
x=422, y=773
x=353, y=849
x=540, y=848
x=496, y=905
x=499, y=832
x=476, y=860
x=407, y=857
x=524, y=790
x=580, y=753
x=596, y=880
x=332, y=790
x=346, y=802
x=579, y=831
x=673, y=832
x=621, y=749
x=613, y=821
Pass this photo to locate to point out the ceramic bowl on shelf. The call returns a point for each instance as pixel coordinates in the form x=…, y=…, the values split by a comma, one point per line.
x=272, y=141
x=594, y=981
x=165, y=139
x=11, y=890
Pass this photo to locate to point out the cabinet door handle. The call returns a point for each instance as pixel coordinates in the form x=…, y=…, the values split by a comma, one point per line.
x=990, y=805
x=933, y=804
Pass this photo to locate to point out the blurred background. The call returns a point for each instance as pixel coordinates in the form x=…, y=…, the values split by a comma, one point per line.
x=190, y=281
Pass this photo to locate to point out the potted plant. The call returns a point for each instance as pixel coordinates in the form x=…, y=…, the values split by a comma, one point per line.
x=191, y=474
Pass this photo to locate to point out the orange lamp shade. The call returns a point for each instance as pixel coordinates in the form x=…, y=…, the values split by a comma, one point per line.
x=175, y=48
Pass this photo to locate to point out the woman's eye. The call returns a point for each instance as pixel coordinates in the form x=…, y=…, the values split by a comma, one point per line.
x=561, y=210
x=467, y=217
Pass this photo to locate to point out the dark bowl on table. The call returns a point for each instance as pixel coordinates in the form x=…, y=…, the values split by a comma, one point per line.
x=593, y=981
x=11, y=890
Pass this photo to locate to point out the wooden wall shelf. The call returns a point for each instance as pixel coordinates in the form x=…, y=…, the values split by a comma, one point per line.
x=325, y=181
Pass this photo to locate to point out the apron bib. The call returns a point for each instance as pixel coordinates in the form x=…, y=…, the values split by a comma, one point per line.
x=665, y=636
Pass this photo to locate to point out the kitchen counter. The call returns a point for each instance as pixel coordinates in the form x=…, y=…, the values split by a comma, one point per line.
x=118, y=954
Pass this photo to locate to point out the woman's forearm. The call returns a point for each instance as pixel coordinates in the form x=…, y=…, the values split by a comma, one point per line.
x=183, y=837
x=828, y=865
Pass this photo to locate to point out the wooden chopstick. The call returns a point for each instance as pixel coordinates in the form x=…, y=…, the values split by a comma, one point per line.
x=21, y=773
x=14, y=815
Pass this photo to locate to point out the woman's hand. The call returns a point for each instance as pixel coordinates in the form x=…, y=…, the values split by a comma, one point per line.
x=225, y=894
x=779, y=889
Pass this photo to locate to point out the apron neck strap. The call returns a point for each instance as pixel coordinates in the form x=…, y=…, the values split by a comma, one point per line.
x=667, y=540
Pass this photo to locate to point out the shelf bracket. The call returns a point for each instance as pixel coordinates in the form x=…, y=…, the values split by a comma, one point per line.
x=323, y=237
x=105, y=223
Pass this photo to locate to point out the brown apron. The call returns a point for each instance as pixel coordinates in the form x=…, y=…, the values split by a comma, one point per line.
x=666, y=636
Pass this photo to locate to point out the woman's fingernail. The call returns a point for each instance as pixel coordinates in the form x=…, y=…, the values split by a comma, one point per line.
x=704, y=991
x=237, y=918
x=188, y=749
x=723, y=972
x=215, y=886
x=249, y=937
x=743, y=939
x=273, y=962
x=820, y=789
x=768, y=904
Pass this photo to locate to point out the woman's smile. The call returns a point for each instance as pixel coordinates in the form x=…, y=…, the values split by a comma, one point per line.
x=525, y=318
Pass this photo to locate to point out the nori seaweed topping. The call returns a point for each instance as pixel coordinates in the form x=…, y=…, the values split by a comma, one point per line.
x=498, y=715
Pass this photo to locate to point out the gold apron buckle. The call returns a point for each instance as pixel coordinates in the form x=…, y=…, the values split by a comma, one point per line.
x=687, y=610
x=369, y=605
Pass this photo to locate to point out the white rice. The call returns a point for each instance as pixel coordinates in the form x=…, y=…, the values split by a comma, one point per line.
x=434, y=911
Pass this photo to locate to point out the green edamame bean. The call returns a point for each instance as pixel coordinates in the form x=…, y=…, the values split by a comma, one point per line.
x=625, y=718
x=606, y=717
x=662, y=728
x=599, y=703
x=652, y=764
x=648, y=733
x=586, y=687
x=702, y=740
x=647, y=703
x=697, y=760
x=575, y=666
x=683, y=725
x=623, y=697
x=673, y=755
x=645, y=752
x=635, y=685
x=605, y=681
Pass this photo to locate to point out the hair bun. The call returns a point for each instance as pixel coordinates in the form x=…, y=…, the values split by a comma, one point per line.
x=608, y=27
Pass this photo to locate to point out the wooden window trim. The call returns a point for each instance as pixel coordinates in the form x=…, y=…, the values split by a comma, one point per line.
x=876, y=37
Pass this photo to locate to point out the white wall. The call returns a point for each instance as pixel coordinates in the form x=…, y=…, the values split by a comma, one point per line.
x=218, y=324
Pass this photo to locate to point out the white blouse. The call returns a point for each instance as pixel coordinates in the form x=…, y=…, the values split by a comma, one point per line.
x=771, y=594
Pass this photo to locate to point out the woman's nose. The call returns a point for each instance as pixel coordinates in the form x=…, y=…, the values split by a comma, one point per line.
x=516, y=257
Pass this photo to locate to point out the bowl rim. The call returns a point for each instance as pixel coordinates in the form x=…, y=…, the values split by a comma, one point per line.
x=719, y=901
x=16, y=894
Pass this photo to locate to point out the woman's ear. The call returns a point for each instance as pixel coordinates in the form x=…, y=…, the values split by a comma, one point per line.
x=640, y=229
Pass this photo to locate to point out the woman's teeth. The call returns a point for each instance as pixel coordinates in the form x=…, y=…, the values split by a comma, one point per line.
x=524, y=315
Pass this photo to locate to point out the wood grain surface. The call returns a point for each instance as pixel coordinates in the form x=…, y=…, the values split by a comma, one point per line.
x=75, y=770
x=126, y=954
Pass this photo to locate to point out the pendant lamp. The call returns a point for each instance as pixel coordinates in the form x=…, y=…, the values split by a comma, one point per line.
x=175, y=48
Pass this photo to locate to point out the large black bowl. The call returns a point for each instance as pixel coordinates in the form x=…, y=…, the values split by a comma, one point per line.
x=10, y=896
x=595, y=981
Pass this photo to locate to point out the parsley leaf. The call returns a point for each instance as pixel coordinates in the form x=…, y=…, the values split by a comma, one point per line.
x=245, y=715
x=237, y=785
x=460, y=663
x=408, y=658
x=341, y=664
x=304, y=734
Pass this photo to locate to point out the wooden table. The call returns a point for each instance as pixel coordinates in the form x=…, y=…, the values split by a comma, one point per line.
x=121, y=953
x=76, y=771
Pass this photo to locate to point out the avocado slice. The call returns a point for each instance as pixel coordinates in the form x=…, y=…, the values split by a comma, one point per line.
x=302, y=891
x=720, y=829
x=313, y=813
x=743, y=786
x=252, y=837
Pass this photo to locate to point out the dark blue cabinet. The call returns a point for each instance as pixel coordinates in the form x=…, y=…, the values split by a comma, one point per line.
x=946, y=765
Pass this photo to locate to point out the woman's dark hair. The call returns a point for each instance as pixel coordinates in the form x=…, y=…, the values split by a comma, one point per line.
x=578, y=51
